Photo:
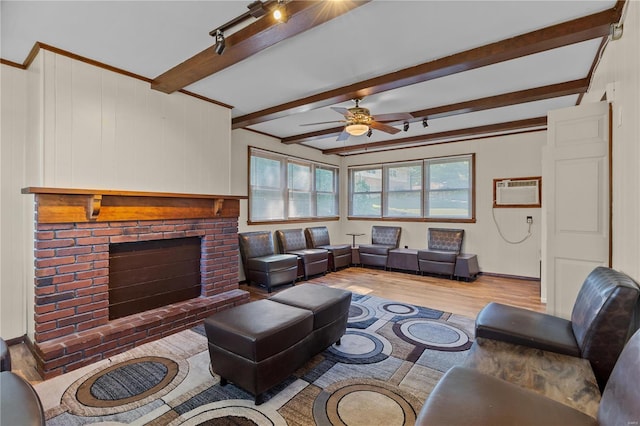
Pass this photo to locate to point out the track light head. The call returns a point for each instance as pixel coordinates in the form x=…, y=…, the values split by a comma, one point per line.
x=424, y=123
x=369, y=133
x=256, y=9
x=405, y=127
x=280, y=12
x=220, y=42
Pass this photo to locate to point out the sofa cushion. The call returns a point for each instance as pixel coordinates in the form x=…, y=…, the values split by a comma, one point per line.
x=275, y=262
x=378, y=249
x=311, y=255
x=259, y=329
x=523, y=327
x=466, y=397
x=438, y=256
x=326, y=303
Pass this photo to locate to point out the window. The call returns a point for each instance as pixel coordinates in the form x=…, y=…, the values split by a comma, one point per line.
x=436, y=188
x=283, y=188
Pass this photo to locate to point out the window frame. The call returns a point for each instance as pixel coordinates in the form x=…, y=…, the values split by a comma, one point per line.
x=425, y=190
x=286, y=192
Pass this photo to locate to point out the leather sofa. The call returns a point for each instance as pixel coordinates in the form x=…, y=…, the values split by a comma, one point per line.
x=443, y=247
x=383, y=239
x=600, y=323
x=466, y=396
x=261, y=265
x=259, y=344
x=339, y=254
x=19, y=402
x=314, y=260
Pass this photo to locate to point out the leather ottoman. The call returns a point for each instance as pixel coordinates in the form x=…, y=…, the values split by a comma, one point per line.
x=330, y=307
x=259, y=344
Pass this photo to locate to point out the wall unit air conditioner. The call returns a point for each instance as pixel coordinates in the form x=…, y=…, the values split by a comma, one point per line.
x=517, y=192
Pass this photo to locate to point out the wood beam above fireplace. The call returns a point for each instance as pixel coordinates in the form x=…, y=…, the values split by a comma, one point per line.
x=67, y=205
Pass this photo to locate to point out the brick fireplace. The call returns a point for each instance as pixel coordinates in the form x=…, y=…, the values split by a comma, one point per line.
x=74, y=229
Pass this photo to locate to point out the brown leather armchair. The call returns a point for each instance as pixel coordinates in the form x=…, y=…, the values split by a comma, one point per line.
x=466, y=396
x=443, y=247
x=383, y=239
x=600, y=322
x=314, y=260
x=261, y=265
x=339, y=254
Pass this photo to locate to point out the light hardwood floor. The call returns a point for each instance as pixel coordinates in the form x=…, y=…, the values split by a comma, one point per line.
x=459, y=297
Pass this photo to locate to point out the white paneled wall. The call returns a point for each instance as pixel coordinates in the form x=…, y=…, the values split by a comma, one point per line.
x=107, y=130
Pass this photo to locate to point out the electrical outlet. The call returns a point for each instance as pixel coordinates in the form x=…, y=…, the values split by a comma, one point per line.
x=529, y=219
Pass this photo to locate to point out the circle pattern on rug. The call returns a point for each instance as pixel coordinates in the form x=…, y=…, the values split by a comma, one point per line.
x=432, y=334
x=358, y=347
x=358, y=312
x=400, y=309
x=358, y=404
x=127, y=382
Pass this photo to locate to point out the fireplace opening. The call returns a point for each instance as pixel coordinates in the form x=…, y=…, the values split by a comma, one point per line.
x=145, y=275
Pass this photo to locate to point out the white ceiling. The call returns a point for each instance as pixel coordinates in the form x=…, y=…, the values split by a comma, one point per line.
x=150, y=37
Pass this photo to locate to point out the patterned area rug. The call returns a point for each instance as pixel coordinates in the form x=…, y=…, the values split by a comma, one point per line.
x=389, y=361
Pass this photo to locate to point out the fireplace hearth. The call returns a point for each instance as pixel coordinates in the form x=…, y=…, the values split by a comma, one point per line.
x=74, y=232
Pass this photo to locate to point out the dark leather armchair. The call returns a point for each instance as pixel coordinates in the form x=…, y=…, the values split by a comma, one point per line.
x=383, y=239
x=339, y=255
x=261, y=265
x=600, y=322
x=443, y=247
x=314, y=260
x=19, y=402
x=465, y=396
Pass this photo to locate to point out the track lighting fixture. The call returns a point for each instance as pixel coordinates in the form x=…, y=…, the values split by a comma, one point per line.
x=256, y=9
x=424, y=123
x=405, y=127
x=220, y=42
x=369, y=133
x=280, y=12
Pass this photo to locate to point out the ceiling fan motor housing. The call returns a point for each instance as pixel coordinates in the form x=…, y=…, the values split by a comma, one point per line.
x=360, y=115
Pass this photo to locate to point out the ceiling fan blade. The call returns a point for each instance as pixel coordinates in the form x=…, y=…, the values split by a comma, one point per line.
x=384, y=127
x=393, y=116
x=343, y=136
x=323, y=122
x=343, y=111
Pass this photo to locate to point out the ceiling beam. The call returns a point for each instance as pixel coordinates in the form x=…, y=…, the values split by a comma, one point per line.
x=431, y=138
x=563, y=34
x=574, y=87
x=265, y=32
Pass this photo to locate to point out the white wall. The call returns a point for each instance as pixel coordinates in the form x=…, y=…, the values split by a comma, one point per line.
x=620, y=68
x=499, y=157
x=69, y=124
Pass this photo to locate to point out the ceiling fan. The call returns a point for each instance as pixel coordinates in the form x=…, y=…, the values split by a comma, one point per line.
x=358, y=121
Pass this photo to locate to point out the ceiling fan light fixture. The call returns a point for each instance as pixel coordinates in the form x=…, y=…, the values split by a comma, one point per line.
x=424, y=123
x=405, y=126
x=357, y=129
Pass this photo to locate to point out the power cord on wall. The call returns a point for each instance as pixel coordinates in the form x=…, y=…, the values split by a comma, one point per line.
x=493, y=213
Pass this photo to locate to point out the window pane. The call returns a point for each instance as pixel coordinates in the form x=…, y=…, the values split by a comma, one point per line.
x=366, y=205
x=265, y=172
x=449, y=175
x=299, y=177
x=367, y=180
x=326, y=205
x=299, y=204
x=454, y=203
x=324, y=180
x=405, y=178
x=266, y=205
x=403, y=204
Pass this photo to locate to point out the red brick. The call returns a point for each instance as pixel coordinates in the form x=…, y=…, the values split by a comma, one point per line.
x=74, y=285
x=92, y=225
x=98, y=248
x=53, y=298
x=54, y=244
x=101, y=314
x=45, y=272
x=107, y=232
x=57, y=314
x=88, y=241
x=72, y=251
x=53, y=226
x=43, y=309
x=94, y=289
x=98, y=349
x=49, y=351
x=82, y=341
x=42, y=291
x=132, y=338
x=118, y=350
x=54, y=261
x=92, y=257
x=169, y=235
x=41, y=254
x=76, y=301
x=88, y=325
x=123, y=239
x=54, y=334
x=73, y=233
x=162, y=228
x=62, y=361
x=45, y=235
x=46, y=326
x=74, y=320
x=90, y=305
x=101, y=264
x=123, y=224
x=50, y=374
x=84, y=275
x=76, y=267
x=136, y=230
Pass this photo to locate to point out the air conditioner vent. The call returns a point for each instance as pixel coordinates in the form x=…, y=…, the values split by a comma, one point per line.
x=517, y=192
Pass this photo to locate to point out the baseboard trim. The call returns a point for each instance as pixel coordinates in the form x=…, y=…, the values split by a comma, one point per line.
x=515, y=277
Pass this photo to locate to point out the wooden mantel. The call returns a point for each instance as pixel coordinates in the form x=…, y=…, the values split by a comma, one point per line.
x=65, y=205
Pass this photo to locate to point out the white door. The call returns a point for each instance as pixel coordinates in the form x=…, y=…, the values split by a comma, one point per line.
x=575, y=187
